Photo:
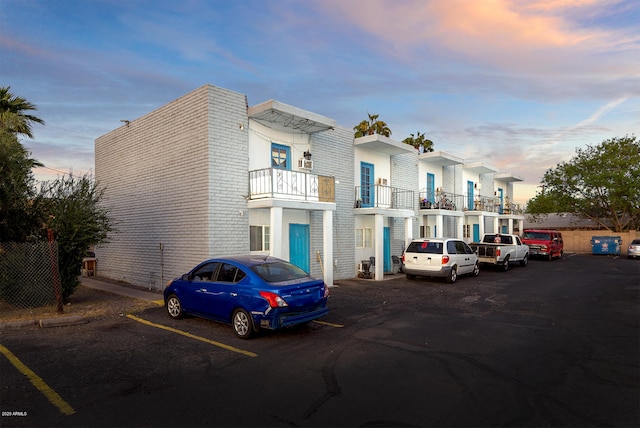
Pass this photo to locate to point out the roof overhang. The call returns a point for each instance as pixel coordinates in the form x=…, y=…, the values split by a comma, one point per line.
x=478, y=168
x=284, y=117
x=440, y=158
x=508, y=177
x=381, y=144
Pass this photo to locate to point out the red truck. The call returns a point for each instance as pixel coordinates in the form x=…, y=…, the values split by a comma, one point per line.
x=544, y=243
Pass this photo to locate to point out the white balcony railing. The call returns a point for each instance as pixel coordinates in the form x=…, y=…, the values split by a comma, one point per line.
x=293, y=185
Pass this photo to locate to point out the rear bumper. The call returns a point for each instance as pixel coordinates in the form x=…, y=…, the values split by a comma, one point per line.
x=275, y=319
x=442, y=272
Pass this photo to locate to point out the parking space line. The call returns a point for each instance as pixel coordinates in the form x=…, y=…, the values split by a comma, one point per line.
x=192, y=336
x=37, y=381
x=330, y=324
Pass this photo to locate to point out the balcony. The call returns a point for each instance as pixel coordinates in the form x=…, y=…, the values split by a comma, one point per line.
x=442, y=201
x=290, y=185
x=381, y=196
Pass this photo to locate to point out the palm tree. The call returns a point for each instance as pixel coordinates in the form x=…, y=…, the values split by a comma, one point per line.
x=371, y=126
x=13, y=118
x=419, y=140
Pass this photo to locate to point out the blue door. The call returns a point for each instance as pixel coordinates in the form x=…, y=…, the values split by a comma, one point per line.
x=476, y=232
x=431, y=187
x=501, y=199
x=367, y=188
x=387, y=249
x=470, y=195
x=299, y=245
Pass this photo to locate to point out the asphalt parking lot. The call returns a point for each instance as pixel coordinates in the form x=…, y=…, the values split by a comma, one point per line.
x=552, y=344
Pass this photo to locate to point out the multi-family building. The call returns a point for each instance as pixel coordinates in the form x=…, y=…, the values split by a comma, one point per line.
x=208, y=175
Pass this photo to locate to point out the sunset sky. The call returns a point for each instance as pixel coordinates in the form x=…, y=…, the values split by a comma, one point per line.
x=517, y=84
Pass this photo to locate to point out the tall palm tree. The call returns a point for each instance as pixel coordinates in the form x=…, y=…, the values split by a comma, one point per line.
x=13, y=116
x=371, y=126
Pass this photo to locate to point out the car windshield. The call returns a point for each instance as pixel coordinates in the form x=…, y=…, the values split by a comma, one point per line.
x=425, y=247
x=536, y=235
x=279, y=271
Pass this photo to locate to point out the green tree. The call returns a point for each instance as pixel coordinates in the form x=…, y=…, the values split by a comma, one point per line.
x=13, y=113
x=600, y=183
x=73, y=209
x=419, y=140
x=371, y=126
x=18, y=219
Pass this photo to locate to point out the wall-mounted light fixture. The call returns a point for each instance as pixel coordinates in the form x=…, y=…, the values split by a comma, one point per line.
x=307, y=155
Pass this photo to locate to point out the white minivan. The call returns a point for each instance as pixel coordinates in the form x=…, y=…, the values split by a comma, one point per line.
x=439, y=257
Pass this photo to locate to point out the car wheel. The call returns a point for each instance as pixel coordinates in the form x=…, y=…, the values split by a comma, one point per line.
x=453, y=275
x=242, y=324
x=174, y=307
x=550, y=256
x=505, y=265
x=409, y=276
x=525, y=260
x=476, y=269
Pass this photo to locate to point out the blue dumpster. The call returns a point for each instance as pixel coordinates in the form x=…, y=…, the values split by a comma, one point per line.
x=606, y=245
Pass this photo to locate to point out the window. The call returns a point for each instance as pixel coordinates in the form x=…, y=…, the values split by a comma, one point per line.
x=466, y=231
x=205, y=272
x=280, y=156
x=230, y=273
x=425, y=247
x=364, y=237
x=259, y=237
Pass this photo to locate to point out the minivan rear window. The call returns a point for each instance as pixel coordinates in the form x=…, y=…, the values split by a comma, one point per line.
x=425, y=247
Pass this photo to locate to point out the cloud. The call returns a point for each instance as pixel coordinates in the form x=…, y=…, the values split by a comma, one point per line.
x=531, y=37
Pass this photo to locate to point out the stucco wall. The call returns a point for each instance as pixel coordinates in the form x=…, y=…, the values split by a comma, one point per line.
x=579, y=241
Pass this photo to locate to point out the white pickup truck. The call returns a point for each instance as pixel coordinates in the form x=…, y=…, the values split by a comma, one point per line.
x=501, y=249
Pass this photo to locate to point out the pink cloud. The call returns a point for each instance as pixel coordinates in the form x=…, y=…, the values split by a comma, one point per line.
x=526, y=35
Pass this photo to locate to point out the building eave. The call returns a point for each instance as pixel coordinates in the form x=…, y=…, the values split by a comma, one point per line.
x=284, y=117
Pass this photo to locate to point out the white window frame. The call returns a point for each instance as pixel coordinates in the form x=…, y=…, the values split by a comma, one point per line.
x=265, y=237
x=364, y=237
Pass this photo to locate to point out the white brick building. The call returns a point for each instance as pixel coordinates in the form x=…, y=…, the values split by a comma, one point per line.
x=206, y=175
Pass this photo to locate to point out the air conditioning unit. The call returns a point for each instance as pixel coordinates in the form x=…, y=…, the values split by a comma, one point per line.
x=382, y=181
x=305, y=163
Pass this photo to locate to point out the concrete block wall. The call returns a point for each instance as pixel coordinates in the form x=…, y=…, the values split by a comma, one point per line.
x=228, y=165
x=405, y=174
x=156, y=172
x=333, y=154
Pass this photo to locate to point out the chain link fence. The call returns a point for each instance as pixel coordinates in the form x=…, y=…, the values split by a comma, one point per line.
x=29, y=274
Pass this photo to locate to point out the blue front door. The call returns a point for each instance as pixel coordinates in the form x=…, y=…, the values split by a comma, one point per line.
x=367, y=189
x=299, y=245
x=470, y=195
x=476, y=232
x=431, y=187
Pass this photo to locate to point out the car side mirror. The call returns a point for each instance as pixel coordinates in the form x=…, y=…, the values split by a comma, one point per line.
x=185, y=277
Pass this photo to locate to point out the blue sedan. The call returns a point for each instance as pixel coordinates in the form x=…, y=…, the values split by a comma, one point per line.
x=248, y=292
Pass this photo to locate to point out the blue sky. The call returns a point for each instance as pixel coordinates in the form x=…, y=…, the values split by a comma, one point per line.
x=517, y=84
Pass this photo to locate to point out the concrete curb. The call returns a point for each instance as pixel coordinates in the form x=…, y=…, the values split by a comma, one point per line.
x=44, y=323
x=62, y=321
